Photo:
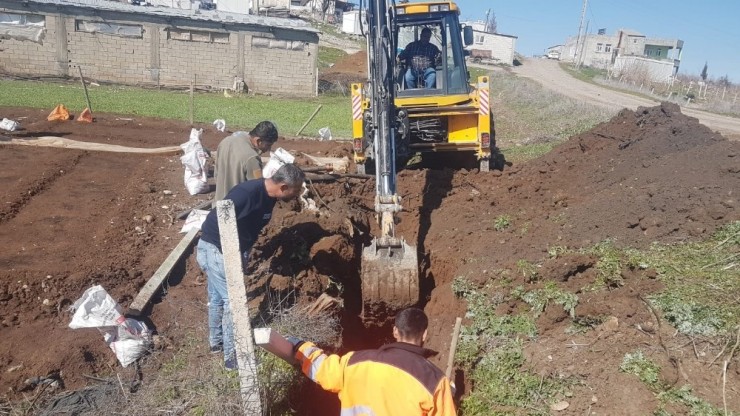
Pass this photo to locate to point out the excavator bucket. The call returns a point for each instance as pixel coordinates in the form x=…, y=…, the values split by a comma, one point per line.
x=390, y=281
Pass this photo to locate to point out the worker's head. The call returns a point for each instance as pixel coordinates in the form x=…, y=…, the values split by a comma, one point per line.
x=411, y=326
x=426, y=35
x=286, y=183
x=263, y=136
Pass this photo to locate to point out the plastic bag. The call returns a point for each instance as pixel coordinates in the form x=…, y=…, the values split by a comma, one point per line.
x=128, y=341
x=324, y=134
x=194, y=220
x=9, y=125
x=194, y=160
x=220, y=124
x=278, y=158
x=128, y=338
x=96, y=309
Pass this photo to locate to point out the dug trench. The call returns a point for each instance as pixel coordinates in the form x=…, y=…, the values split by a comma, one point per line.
x=653, y=175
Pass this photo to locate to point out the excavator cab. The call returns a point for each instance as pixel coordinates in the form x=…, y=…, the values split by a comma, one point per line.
x=448, y=65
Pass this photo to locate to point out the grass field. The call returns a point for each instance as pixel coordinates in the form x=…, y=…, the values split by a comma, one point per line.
x=529, y=119
x=289, y=114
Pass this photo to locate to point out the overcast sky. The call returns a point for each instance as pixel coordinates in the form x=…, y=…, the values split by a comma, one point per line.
x=709, y=28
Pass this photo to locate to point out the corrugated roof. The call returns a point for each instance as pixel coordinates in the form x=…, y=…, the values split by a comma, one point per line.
x=195, y=14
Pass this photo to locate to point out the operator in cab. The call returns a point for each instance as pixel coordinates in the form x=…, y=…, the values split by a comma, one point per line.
x=420, y=57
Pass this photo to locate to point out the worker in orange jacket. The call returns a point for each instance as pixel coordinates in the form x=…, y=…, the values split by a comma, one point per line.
x=394, y=380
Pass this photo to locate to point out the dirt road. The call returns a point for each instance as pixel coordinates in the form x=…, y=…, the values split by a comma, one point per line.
x=550, y=75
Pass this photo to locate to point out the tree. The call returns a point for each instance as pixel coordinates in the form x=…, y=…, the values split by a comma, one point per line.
x=704, y=72
x=724, y=81
x=491, y=25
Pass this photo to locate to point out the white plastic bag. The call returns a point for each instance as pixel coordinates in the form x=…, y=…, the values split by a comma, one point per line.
x=194, y=220
x=9, y=125
x=194, y=160
x=128, y=338
x=278, y=158
x=128, y=341
x=324, y=134
x=96, y=309
x=220, y=124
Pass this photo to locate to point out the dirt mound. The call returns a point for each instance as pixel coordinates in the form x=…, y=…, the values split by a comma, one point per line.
x=348, y=70
x=355, y=64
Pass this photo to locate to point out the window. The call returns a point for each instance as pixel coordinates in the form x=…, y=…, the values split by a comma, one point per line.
x=599, y=47
x=22, y=26
x=128, y=31
x=608, y=47
x=479, y=39
x=197, y=36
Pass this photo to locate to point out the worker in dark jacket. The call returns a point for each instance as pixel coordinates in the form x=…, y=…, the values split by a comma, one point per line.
x=394, y=380
x=253, y=204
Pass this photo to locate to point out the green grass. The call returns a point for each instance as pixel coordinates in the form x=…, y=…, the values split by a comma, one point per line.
x=539, y=299
x=584, y=73
x=328, y=56
x=243, y=112
x=531, y=120
x=502, y=222
x=648, y=372
x=702, y=282
x=491, y=352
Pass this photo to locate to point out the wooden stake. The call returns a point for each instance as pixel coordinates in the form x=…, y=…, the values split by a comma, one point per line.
x=84, y=86
x=192, y=105
x=453, y=347
x=251, y=403
x=309, y=120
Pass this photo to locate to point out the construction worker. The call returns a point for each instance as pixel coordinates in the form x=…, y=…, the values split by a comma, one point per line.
x=254, y=201
x=238, y=157
x=420, y=57
x=394, y=380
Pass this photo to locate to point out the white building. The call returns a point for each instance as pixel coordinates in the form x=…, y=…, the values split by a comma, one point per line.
x=492, y=47
x=626, y=51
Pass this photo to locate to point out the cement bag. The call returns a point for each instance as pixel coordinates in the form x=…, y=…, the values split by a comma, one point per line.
x=278, y=158
x=128, y=341
x=96, y=309
x=194, y=160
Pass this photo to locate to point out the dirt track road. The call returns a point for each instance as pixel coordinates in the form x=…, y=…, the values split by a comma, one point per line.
x=549, y=74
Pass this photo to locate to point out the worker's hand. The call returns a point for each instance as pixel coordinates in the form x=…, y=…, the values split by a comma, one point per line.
x=293, y=340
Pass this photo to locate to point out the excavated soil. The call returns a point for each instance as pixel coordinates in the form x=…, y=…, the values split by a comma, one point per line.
x=70, y=218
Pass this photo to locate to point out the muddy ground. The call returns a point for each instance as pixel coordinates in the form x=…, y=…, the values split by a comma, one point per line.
x=69, y=220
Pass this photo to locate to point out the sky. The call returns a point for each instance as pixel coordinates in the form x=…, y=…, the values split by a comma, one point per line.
x=708, y=28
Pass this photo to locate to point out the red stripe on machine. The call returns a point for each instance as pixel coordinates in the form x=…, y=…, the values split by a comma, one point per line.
x=484, y=109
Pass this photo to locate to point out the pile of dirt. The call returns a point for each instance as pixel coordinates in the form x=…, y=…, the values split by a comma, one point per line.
x=348, y=70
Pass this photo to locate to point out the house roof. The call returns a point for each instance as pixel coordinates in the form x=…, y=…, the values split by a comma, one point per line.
x=630, y=32
x=194, y=14
x=496, y=34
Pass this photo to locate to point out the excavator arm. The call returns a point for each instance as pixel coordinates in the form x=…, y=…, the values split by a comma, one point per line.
x=390, y=275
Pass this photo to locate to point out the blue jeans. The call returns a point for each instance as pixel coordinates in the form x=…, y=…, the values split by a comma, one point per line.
x=429, y=75
x=220, y=324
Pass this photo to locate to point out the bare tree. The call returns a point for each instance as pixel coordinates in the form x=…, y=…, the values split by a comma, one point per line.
x=704, y=72
x=491, y=25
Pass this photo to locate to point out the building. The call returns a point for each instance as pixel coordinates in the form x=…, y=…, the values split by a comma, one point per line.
x=137, y=45
x=626, y=51
x=351, y=22
x=491, y=47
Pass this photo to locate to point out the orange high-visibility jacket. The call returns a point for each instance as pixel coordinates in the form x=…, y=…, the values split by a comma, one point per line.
x=394, y=380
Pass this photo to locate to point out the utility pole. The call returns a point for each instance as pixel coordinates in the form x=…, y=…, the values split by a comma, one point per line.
x=485, y=27
x=580, y=30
